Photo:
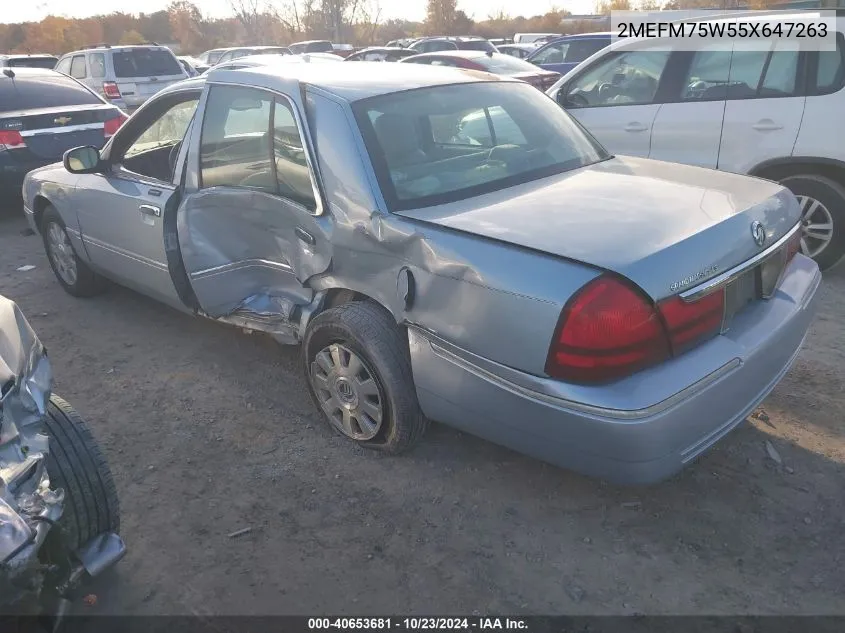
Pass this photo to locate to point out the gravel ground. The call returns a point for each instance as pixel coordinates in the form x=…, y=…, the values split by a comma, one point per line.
x=209, y=431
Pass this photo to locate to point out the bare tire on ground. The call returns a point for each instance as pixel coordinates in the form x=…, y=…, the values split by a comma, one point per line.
x=358, y=370
x=72, y=273
x=76, y=465
x=822, y=217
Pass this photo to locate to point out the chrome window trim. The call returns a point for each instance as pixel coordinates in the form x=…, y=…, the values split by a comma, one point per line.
x=63, y=130
x=316, y=185
x=693, y=294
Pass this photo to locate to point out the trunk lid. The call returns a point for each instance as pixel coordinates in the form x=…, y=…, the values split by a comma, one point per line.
x=541, y=80
x=666, y=227
x=49, y=132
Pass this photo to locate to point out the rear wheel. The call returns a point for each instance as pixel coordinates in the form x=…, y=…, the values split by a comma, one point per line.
x=76, y=465
x=822, y=217
x=73, y=274
x=358, y=370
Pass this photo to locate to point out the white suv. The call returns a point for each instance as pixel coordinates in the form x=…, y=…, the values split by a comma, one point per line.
x=124, y=75
x=775, y=114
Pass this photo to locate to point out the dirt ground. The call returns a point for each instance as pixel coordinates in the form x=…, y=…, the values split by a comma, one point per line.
x=209, y=430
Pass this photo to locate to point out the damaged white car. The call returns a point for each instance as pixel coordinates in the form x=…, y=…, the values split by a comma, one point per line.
x=59, y=514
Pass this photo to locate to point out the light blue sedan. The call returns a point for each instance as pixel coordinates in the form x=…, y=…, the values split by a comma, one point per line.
x=450, y=246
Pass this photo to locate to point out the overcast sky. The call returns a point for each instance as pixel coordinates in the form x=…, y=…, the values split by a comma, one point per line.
x=35, y=10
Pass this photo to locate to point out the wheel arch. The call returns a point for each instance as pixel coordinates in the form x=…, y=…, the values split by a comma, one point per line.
x=779, y=168
x=39, y=205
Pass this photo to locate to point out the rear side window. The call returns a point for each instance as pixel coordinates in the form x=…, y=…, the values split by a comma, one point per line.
x=758, y=74
x=50, y=91
x=97, y=61
x=830, y=72
x=77, y=67
x=236, y=145
x=64, y=66
x=145, y=62
x=48, y=63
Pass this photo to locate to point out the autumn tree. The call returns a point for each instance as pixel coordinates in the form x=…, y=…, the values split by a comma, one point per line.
x=186, y=24
x=440, y=17
x=132, y=37
x=604, y=7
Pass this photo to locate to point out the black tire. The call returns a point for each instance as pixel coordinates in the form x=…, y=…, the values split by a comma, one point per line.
x=371, y=332
x=88, y=283
x=76, y=465
x=832, y=196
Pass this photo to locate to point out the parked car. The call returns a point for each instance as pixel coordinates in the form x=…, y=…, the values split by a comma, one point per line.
x=343, y=50
x=312, y=46
x=757, y=112
x=192, y=65
x=29, y=61
x=44, y=113
x=563, y=54
x=406, y=263
x=400, y=43
x=530, y=38
x=495, y=63
x=235, y=53
x=517, y=50
x=124, y=75
x=210, y=58
x=435, y=44
x=381, y=54
x=60, y=511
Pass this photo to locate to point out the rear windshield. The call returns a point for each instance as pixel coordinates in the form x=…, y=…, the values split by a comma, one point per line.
x=319, y=47
x=145, y=62
x=33, y=62
x=476, y=45
x=436, y=145
x=50, y=91
x=502, y=64
x=214, y=56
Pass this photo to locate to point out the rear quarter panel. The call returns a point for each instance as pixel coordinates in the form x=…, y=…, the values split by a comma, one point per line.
x=499, y=301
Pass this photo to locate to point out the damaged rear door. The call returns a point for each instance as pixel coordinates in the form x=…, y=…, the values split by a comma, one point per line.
x=251, y=225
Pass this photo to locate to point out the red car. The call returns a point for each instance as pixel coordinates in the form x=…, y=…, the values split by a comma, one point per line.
x=496, y=63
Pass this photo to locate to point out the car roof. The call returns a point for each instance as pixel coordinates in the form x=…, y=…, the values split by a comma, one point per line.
x=27, y=56
x=311, y=42
x=117, y=47
x=382, y=48
x=582, y=36
x=362, y=80
x=26, y=71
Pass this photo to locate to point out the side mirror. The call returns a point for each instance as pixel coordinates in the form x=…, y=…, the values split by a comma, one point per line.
x=82, y=160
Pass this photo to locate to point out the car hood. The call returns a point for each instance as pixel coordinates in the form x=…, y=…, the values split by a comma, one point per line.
x=655, y=223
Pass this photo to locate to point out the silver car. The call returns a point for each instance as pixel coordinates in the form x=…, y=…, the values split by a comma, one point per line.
x=612, y=315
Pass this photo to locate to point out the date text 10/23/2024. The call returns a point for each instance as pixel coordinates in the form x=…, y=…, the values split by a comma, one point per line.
x=418, y=624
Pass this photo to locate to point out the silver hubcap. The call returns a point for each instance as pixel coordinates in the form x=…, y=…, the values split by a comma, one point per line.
x=816, y=226
x=348, y=392
x=61, y=253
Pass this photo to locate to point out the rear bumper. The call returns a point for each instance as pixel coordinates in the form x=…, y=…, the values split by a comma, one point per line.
x=621, y=444
x=12, y=172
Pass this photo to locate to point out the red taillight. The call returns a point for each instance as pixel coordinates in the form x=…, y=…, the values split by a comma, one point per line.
x=689, y=323
x=113, y=125
x=11, y=139
x=608, y=330
x=111, y=90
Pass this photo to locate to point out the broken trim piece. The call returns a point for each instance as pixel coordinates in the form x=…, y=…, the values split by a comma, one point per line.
x=245, y=263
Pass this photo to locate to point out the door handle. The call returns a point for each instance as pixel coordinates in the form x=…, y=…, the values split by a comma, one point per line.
x=148, y=209
x=766, y=125
x=636, y=127
x=305, y=236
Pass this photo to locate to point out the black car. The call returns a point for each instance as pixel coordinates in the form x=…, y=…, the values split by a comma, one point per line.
x=44, y=113
x=28, y=61
x=381, y=54
x=437, y=44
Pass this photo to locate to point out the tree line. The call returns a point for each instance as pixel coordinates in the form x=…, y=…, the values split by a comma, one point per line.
x=255, y=22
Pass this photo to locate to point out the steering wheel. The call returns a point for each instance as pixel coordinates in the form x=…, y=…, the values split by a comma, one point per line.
x=172, y=157
x=577, y=99
x=606, y=91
